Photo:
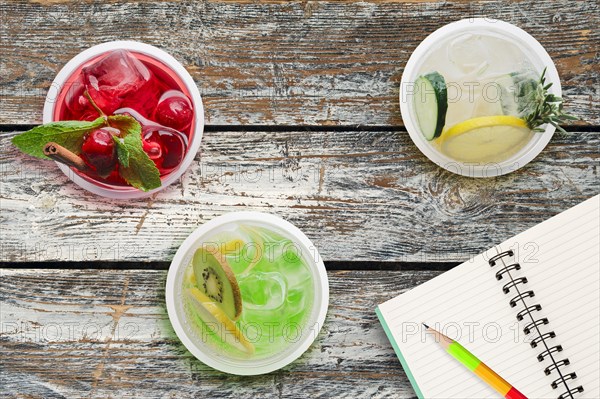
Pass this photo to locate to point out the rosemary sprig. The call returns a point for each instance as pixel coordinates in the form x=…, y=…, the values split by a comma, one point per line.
x=545, y=107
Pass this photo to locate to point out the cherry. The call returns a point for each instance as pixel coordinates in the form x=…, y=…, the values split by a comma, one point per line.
x=78, y=104
x=164, y=145
x=98, y=150
x=174, y=110
x=115, y=178
x=171, y=144
x=153, y=149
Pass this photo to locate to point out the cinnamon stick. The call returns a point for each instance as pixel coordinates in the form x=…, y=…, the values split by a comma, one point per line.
x=59, y=153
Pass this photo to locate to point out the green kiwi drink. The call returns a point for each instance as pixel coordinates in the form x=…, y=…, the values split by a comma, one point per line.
x=248, y=291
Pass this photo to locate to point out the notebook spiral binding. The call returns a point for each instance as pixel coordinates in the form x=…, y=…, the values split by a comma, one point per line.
x=517, y=288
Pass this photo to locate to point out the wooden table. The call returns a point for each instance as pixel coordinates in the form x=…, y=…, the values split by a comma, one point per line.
x=303, y=121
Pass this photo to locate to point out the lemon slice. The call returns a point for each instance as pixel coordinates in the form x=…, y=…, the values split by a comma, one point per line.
x=211, y=314
x=232, y=246
x=189, y=278
x=485, y=139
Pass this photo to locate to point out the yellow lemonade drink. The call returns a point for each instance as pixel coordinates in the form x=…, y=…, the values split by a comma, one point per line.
x=488, y=82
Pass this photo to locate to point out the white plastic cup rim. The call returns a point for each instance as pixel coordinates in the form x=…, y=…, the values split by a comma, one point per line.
x=540, y=59
x=186, y=251
x=120, y=192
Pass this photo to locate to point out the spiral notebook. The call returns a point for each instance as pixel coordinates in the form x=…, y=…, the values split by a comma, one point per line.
x=529, y=308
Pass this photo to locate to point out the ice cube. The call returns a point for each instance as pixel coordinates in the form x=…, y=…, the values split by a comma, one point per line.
x=291, y=265
x=115, y=77
x=263, y=291
x=295, y=302
x=469, y=53
x=74, y=99
x=146, y=98
x=78, y=106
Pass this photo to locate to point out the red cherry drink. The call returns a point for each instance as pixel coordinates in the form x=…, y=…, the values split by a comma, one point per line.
x=127, y=82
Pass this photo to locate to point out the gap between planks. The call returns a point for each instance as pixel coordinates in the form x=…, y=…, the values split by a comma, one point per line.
x=164, y=265
x=294, y=128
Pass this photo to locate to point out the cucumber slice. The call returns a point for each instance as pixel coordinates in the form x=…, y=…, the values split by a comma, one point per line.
x=431, y=104
x=526, y=90
x=508, y=97
x=517, y=90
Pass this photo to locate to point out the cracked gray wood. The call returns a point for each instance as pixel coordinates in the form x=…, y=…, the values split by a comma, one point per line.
x=368, y=196
x=101, y=333
x=283, y=62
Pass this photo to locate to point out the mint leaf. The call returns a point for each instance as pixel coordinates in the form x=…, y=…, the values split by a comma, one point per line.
x=139, y=171
x=126, y=124
x=122, y=152
x=69, y=134
x=134, y=164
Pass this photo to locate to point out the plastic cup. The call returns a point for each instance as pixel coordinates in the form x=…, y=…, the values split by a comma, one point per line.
x=204, y=350
x=540, y=60
x=117, y=191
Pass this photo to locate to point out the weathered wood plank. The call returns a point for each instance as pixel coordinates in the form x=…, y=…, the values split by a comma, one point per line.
x=368, y=196
x=283, y=62
x=70, y=333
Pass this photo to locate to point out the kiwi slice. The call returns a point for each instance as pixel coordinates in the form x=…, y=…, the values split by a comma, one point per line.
x=216, y=280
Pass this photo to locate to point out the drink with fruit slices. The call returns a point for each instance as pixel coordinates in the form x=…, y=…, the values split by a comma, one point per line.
x=484, y=76
x=122, y=119
x=132, y=83
x=481, y=97
x=248, y=292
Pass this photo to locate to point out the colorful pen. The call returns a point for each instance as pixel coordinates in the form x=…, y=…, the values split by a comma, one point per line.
x=476, y=366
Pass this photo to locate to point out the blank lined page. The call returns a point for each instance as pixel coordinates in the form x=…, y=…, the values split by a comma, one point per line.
x=561, y=261
x=468, y=304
